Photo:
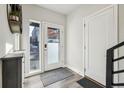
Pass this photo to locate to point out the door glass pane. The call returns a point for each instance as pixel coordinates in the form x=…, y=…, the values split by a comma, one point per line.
x=34, y=46
x=53, y=45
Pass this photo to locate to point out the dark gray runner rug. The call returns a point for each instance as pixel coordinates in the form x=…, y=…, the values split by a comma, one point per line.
x=55, y=75
x=86, y=83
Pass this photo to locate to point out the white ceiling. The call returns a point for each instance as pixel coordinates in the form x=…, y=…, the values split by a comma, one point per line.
x=61, y=8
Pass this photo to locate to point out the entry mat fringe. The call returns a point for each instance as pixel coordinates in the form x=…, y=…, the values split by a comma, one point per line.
x=86, y=83
x=56, y=75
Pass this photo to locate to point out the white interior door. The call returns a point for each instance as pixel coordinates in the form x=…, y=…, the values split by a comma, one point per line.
x=100, y=34
x=53, y=47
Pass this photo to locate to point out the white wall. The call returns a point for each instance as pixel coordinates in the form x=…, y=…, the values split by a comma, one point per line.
x=74, y=35
x=6, y=37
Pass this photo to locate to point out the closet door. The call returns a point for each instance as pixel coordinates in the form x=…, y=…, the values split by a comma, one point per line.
x=101, y=34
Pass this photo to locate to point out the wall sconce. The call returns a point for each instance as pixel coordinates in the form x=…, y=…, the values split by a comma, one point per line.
x=14, y=16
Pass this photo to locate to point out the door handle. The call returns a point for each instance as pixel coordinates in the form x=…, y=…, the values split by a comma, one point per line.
x=45, y=46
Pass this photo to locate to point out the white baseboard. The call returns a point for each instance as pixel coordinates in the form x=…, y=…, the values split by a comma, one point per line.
x=75, y=70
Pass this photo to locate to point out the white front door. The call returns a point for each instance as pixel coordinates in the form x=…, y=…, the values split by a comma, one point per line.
x=54, y=46
x=101, y=34
x=45, y=47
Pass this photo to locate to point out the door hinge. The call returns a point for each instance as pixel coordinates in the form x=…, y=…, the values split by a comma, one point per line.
x=84, y=69
x=84, y=47
x=84, y=25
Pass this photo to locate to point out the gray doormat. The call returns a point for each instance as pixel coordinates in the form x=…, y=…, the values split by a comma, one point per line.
x=55, y=75
x=86, y=83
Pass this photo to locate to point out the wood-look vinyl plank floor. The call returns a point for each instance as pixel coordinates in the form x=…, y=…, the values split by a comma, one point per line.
x=70, y=82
